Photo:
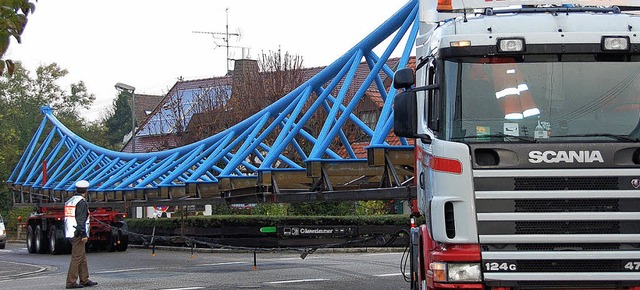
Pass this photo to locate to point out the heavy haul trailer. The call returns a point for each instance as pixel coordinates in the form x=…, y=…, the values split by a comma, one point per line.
x=527, y=122
x=45, y=230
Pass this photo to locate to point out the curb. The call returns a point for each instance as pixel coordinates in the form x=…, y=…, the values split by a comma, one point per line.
x=38, y=270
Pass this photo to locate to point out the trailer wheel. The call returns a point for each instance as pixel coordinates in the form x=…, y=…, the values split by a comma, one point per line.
x=56, y=241
x=41, y=240
x=31, y=247
x=112, y=242
x=122, y=238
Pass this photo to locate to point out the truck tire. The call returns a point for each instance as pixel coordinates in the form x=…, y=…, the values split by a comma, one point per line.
x=31, y=245
x=56, y=241
x=122, y=237
x=112, y=241
x=40, y=240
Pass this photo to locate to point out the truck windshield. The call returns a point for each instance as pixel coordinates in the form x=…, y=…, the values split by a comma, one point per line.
x=491, y=99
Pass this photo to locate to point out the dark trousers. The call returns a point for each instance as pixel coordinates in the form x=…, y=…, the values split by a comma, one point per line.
x=78, y=266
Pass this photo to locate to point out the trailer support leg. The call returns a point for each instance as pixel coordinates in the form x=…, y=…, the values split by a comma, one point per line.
x=413, y=252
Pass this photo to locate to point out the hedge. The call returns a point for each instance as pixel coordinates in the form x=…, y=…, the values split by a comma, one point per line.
x=257, y=220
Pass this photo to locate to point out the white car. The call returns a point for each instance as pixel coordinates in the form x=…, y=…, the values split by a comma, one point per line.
x=3, y=234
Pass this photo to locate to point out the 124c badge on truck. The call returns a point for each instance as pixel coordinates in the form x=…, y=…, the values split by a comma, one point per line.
x=495, y=266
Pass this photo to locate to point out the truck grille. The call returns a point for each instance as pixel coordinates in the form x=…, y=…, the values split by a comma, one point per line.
x=554, y=228
x=549, y=231
x=569, y=265
x=567, y=205
x=565, y=285
x=559, y=247
x=566, y=183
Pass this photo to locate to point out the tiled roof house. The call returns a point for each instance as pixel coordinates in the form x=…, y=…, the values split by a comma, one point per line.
x=165, y=125
x=144, y=106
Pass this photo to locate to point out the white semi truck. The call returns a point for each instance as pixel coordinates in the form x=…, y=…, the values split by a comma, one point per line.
x=526, y=116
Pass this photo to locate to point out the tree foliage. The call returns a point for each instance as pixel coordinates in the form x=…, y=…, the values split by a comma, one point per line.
x=13, y=20
x=118, y=120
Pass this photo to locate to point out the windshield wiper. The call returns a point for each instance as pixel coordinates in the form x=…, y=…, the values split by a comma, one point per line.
x=496, y=135
x=614, y=136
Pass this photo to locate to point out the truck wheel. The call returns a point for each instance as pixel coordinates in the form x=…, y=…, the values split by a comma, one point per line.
x=31, y=247
x=56, y=241
x=40, y=239
x=122, y=238
x=124, y=242
x=111, y=243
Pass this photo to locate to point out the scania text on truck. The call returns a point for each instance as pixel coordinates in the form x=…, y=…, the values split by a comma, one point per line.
x=526, y=116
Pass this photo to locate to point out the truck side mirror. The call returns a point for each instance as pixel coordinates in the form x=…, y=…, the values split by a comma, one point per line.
x=404, y=78
x=405, y=115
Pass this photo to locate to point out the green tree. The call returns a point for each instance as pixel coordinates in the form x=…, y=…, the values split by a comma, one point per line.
x=118, y=120
x=373, y=207
x=96, y=133
x=13, y=20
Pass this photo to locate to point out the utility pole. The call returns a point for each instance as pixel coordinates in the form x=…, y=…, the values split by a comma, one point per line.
x=224, y=36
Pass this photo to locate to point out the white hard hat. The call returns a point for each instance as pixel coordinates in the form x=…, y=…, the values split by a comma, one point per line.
x=82, y=184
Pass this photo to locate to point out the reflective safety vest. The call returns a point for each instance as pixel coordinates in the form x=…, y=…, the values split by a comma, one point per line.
x=70, y=216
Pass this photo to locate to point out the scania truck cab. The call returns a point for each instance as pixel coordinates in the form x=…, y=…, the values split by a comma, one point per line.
x=527, y=121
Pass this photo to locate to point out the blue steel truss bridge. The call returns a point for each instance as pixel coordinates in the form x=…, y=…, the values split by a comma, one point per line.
x=262, y=158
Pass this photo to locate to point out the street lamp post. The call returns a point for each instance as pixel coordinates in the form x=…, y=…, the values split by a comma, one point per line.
x=130, y=89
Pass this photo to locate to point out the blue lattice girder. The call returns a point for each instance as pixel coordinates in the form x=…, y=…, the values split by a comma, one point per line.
x=243, y=150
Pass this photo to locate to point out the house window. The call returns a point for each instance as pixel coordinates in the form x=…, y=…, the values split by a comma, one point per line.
x=370, y=118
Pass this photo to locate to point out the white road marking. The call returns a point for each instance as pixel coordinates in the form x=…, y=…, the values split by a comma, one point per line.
x=381, y=254
x=185, y=288
x=387, y=275
x=298, y=258
x=288, y=259
x=297, y=281
x=220, y=264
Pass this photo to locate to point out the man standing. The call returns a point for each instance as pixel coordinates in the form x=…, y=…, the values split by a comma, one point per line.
x=76, y=224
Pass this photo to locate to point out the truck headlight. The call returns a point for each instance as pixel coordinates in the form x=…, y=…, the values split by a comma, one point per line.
x=511, y=45
x=464, y=272
x=456, y=272
x=615, y=43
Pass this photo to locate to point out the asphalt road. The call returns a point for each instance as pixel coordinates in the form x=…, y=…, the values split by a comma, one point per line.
x=137, y=268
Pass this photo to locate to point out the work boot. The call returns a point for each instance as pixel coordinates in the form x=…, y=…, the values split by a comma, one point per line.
x=74, y=286
x=90, y=283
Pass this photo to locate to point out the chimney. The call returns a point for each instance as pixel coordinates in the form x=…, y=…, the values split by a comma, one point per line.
x=245, y=75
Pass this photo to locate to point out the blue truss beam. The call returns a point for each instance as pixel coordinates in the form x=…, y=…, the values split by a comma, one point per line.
x=243, y=150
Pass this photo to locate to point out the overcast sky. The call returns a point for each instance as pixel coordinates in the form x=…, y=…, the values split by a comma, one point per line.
x=148, y=44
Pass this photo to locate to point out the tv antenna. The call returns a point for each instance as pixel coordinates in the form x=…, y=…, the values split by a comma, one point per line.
x=224, y=36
